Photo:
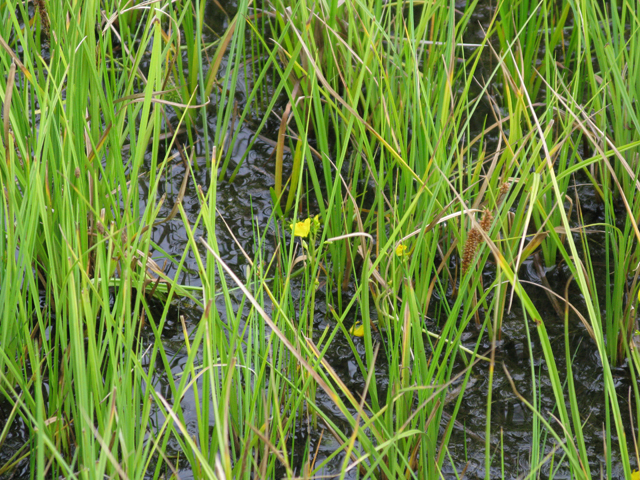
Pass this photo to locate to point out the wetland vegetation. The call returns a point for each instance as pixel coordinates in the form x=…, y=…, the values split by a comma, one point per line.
x=334, y=239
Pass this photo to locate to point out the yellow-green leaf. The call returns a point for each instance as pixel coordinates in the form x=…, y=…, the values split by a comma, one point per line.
x=533, y=244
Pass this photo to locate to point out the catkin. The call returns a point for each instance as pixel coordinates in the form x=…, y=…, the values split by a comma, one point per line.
x=474, y=239
x=44, y=16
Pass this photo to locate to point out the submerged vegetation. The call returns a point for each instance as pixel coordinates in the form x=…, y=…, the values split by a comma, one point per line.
x=439, y=175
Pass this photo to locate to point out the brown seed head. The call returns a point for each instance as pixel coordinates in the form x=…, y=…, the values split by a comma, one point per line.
x=475, y=239
x=470, y=248
x=486, y=220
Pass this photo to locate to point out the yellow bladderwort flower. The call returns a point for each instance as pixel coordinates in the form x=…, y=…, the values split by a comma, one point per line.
x=401, y=251
x=635, y=475
x=357, y=330
x=301, y=229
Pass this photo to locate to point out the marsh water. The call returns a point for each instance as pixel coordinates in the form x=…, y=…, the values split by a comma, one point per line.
x=245, y=204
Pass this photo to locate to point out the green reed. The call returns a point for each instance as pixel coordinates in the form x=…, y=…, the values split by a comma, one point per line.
x=418, y=223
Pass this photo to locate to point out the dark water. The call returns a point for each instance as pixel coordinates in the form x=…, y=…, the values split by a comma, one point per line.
x=246, y=203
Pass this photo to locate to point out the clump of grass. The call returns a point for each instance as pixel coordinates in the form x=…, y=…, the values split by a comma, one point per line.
x=375, y=137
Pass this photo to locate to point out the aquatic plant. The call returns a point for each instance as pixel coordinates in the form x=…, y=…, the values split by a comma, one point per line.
x=439, y=168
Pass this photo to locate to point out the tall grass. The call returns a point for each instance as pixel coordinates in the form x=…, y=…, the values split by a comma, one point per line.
x=412, y=230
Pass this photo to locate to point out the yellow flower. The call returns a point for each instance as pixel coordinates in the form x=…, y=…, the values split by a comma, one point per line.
x=635, y=475
x=357, y=330
x=401, y=250
x=301, y=229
